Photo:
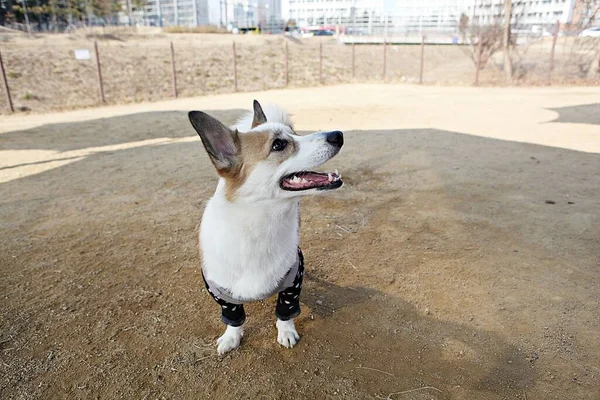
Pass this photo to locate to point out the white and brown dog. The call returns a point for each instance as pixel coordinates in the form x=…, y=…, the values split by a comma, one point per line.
x=249, y=234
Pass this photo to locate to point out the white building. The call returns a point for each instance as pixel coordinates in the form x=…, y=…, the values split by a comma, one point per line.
x=250, y=13
x=440, y=16
x=525, y=13
x=240, y=13
x=376, y=16
x=436, y=16
x=182, y=12
x=331, y=12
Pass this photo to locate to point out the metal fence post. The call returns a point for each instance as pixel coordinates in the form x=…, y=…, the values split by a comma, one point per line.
x=235, y=79
x=478, y=63
x=320, y=62
x=100, y=83
x=6, y=88
x=353, y=61
x=384, y=57
x=422, y=59
x=554, y=37
x=174, y=74
x=287, y=77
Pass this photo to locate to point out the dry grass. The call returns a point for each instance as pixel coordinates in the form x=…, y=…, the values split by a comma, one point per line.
x=195, y=29
x=137, y=67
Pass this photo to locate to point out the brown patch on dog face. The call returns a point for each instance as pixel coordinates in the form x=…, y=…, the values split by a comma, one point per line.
x=255, y=147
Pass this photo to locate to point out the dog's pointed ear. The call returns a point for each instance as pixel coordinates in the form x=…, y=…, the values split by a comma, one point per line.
x=259, y=115
x=221, y=143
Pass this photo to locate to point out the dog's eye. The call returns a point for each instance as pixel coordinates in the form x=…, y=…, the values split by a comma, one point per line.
x=279, y=144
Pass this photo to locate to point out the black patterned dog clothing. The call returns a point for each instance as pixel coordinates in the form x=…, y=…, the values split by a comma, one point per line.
x=288, y=300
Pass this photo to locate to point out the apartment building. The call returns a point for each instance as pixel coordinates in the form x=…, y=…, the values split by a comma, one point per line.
x=525, y=13
x=430, y=15
x=180, y=12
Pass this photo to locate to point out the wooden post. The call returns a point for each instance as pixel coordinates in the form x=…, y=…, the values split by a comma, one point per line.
x=554, y=37
x=478, y=63
x=384, y=57
x=174, y=74
x=6, y=88
x=287, y=77
x=353, y=61
x=320, y=62
x=235, y=81
x=100, y=84
x=422, y=59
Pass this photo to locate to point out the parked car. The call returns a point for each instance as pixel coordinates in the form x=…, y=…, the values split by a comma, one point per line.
x=356, y=31
x=323, y=32
x=591, y=32
x=536, y=30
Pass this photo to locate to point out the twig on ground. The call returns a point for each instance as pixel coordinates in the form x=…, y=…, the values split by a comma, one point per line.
x=389, y=396
x=350, y=262
x=202, y=358
x=376, y=370
x=344, y=229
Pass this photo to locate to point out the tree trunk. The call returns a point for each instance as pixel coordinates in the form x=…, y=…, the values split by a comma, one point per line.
x=130, y=13
x=53, y=19
x=26, y=17
x=508, y=67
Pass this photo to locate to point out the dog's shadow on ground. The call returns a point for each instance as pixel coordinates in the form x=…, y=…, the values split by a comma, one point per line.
x=383, y=341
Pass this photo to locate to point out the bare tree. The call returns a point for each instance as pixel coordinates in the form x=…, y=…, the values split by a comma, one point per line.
x=519, y=41
x=508, y=65
x=489, y=35
x=26, y=14
x=584, y=52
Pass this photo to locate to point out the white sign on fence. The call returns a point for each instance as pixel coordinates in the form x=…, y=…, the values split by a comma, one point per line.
x=82, y=54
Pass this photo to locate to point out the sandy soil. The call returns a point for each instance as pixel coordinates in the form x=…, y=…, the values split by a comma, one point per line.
x=450, y=266
x=517, y=114
x=44, y=75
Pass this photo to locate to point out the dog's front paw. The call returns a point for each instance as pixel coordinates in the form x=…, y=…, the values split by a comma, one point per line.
x=230, y=340
x=286, y=333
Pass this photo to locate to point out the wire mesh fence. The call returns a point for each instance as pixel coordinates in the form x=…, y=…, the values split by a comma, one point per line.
x=47, y=76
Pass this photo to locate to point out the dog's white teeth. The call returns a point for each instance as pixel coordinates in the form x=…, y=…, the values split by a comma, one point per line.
x=337, y=173
x=295, y=179
x=329, y=177
x=303, y=180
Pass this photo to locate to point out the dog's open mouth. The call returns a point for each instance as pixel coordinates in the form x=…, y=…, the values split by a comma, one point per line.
x=306, y=180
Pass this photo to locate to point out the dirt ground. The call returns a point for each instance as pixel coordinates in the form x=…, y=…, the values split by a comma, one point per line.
x=449, y=266
x=44, y=75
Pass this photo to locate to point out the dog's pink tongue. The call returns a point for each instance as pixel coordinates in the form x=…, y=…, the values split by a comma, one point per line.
x=314, y=177
x=305, y=180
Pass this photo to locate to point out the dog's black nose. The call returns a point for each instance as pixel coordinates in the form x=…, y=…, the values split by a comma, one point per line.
x=335, y=138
